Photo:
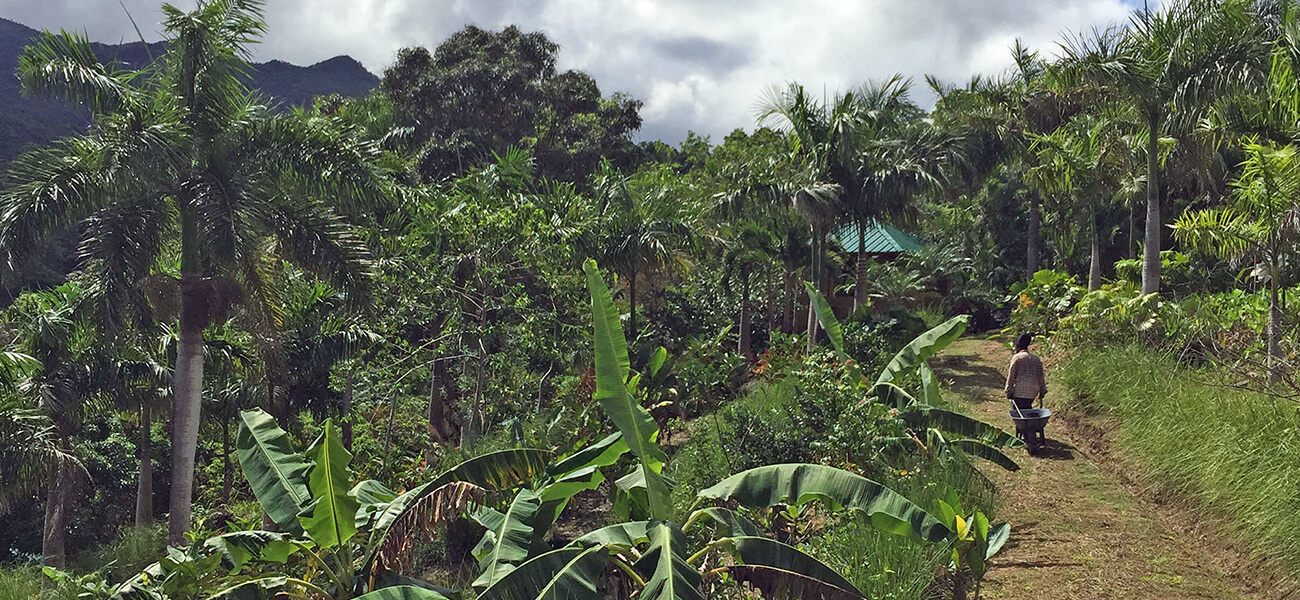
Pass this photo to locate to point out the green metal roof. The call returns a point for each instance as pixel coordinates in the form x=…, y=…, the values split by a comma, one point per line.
x=881, y=238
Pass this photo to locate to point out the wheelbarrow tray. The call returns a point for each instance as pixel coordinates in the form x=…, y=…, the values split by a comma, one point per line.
x=1030, y=423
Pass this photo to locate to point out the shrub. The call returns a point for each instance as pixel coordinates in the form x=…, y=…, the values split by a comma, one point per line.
x=1041, y=303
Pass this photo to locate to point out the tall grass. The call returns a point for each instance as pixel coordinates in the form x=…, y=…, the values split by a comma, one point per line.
x=26, y=583
x=1236, y=452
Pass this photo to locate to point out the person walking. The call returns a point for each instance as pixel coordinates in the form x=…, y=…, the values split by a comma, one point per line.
x=1025, y=379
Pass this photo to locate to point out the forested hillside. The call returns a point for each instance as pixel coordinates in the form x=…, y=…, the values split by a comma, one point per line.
x=455, y=333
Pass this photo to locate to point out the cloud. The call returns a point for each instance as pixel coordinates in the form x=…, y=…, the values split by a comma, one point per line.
x=699, y=65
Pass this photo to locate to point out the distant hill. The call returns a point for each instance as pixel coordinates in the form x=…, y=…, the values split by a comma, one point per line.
x=27, y=122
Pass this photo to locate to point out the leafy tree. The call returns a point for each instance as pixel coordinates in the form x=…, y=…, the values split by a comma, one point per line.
x=1261, y=222
x=183, y=159
x=1170, y=64
x=481, y=92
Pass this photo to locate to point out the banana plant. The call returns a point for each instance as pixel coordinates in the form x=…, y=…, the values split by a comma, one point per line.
x=945, y=431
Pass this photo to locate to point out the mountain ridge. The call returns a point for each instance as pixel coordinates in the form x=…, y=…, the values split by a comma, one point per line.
x=27, y=122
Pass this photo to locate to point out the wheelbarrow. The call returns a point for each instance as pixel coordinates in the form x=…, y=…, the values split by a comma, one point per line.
x=1030, y=423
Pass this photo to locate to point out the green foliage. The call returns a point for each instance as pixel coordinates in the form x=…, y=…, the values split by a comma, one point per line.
x=1040, y=304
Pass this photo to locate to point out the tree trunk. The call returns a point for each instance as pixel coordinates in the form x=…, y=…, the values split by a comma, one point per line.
x=1094, y=267
x=787, y=320
x=437, y=409
x=743, y=346
x=228, y=478
x=1031, y=249
x=771, y=301
x=187, y=386
x=816, y=282
x=346, y=411
x=1274, y=327
x=860, y=285
x=144, y=489
x=1151, y=247
x=631, y=304
x=1132, y=231
x=58, y=498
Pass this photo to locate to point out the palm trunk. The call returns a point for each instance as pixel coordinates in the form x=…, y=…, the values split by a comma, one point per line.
x=1094, y=268
x=228, y=479
x=1151, y=247
x=860, y=285
x=346, y=412
x=1031, y=249
x=743, y=346
x=771, y=301
x=54, y=537
x=787, y=320
x=1274, y=326
x=187, y=387
x=144, y=489
x=631, y=305
x=816, y=282
x=1132, y=232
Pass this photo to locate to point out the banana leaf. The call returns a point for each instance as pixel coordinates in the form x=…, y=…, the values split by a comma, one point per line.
x=826, y=317
x=633, y=420
x=402, y=592
x=238, y=548
x=986, y=452
x=797, y=484
x=276, y=472
x=668, y=575
x=618, y=537
x=925, y=417
x=564, y=574
x=923, y=347
x=600, y=454
x=771, y=554
x=728, y=522
x=508, y=538
x=332, y=518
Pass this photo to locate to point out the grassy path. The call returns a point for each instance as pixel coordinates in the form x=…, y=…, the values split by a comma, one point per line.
x=1077, y=531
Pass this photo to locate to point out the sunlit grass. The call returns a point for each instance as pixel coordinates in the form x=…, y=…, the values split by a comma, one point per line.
x=1236, y=453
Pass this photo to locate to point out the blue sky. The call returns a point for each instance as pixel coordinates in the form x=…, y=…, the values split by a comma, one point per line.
x=698, y=65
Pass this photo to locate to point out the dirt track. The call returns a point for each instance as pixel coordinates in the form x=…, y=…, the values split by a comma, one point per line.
x=1081, y=528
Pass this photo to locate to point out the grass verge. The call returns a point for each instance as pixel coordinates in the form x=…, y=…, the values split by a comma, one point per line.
x=1233, y=452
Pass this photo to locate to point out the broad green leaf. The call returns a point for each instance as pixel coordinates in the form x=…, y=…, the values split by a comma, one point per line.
x=510, y=536
x=601, y=454
x=763, y=552
x=998, y=535
x=331, y=520
x=923, y=417
x=633, y=420
x=892, y=395
x=923, y=347
x=929, y=385
x=410, y=515
x=565, y=574
x=826, y=317
x=729, y=522
x=275, y=471
x=779, y=584
x=402, y=592
x=618, y=537
x=642, y=486
x=986, y=452
x=262, y=588
x=238, y=548
x=797, y=484
x=657, y=361
x=668, y=575
x=572, y=484
x=372, y=492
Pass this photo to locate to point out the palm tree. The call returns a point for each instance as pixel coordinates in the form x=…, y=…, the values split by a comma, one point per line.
x=1171, y=63
x=182, y=157
x=644, y=225
x=1082, y=160
x=749, y=250
x=69, y=373
x=824, y=136
x=1262, y=222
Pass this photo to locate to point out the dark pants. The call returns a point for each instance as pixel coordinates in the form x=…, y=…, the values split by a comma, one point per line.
x=1023, y=403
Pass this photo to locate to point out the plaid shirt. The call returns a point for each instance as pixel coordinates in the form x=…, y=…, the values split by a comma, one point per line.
x=1025, y=377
